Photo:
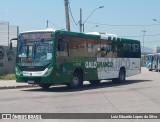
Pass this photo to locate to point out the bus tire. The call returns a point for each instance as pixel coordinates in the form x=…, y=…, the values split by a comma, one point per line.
x=94, y=82
x=122, y=76
x=44, y=86
x=156, y=68
x=76, y=81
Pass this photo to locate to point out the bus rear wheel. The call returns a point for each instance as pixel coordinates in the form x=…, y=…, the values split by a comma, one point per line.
x=122, y=76
x=156, y=68
x=76, y=81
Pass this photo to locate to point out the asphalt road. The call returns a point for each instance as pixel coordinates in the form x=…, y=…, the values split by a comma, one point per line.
x=139, y=94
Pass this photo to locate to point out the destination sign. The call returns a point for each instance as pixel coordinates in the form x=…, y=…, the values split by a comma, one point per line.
x=41, y=35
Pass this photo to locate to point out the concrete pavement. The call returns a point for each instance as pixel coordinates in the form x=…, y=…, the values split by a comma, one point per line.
x=11, y=84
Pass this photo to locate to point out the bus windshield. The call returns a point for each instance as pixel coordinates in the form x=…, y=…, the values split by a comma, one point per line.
x=34, y=52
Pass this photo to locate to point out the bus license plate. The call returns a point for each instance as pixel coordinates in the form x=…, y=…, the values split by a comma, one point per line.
x=31, y=81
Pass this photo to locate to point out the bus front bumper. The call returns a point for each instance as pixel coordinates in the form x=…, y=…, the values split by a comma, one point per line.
x=34, y=80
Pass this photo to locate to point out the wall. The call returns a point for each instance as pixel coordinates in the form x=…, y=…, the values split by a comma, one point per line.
x=7, y=32
x=7, y=60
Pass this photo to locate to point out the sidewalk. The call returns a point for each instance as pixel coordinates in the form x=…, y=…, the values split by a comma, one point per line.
x=11, y=84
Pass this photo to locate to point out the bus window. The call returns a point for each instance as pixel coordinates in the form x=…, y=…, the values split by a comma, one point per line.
x=93, y=47
x=77, y=47
x=118, y=48
x=106, y=49
x=62, y=48
x=97, y=48
x=135, y=50
x=127, y=50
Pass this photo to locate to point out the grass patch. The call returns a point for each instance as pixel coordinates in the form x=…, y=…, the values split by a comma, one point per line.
x=7, y=77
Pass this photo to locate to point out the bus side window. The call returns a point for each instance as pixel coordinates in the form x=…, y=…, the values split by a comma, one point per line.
x=60, y=45
x=118, y=48
x=127, y=50
x=106, y=49
x=62, y=48
x=135, y=50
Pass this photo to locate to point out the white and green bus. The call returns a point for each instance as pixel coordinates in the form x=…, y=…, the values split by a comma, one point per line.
x=153, y=62
x=49, y=57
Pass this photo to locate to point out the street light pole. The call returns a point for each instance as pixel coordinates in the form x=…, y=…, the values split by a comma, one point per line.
x=156, y=20
x=80, y=22
x=144, y=31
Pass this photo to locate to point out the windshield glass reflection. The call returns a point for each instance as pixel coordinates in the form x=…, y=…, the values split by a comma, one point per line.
x=35, y=53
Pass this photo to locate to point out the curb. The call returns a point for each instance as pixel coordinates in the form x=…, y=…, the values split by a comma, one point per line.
x=17, y=87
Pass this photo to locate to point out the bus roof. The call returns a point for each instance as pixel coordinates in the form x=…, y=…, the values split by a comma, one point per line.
x=103, y=35
x=95, y=35
x=154, y=54
x=44, y=30
x=108, y=36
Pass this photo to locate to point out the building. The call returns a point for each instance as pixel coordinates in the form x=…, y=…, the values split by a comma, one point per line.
x=156, y=49
x=7, y=56
x=7, y=32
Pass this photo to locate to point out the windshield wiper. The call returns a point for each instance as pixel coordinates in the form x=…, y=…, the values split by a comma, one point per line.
x=44, y=57
x=37, y=45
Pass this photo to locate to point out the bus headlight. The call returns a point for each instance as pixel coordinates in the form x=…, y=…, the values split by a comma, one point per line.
x=48, y=72
x=18, y=72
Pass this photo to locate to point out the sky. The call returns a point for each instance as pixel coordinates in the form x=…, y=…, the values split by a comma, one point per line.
x=125, y=18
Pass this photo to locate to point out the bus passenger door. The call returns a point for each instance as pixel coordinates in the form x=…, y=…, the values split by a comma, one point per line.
x=158, y=63
x=154, y=65
x=62, y=52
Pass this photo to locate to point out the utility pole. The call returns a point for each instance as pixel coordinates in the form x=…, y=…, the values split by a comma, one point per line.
x=8, y=35
x=47, y=24
x=80, y=22
x=144, y=31
x=66, y=2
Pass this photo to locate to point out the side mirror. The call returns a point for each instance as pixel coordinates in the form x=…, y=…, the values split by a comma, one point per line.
x=11, y=42
x=98, y=49
x=11, y=46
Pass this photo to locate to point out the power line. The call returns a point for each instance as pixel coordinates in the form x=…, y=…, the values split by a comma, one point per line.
x=152, y=41
x=73, y=25
x=136, y=25
x=131, y=36
x=53, y=24
x=142, y=35
x=153, y=35
x=72, y=16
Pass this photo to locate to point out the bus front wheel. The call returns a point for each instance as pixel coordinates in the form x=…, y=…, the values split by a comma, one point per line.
x=150, y=70
x=76, y=81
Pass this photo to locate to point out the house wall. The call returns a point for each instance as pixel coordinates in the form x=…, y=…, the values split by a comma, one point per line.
x=7, y=60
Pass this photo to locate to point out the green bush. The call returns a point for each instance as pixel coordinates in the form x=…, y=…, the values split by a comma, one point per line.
x=7, y=77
